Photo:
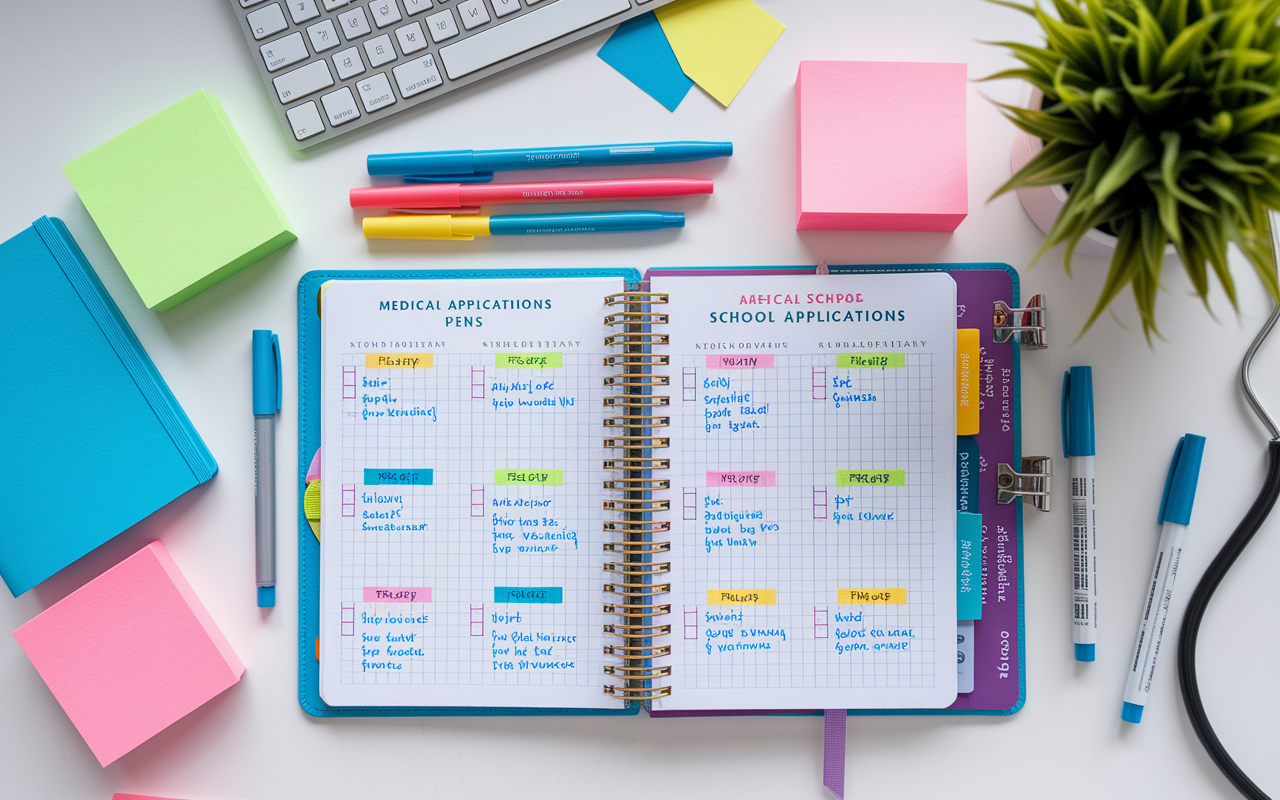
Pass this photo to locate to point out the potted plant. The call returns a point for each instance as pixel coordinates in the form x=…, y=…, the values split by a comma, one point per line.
x=1161, y=118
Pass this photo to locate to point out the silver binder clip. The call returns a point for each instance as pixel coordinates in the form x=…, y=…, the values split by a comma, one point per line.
x=1033, y=483
x=1027, y=324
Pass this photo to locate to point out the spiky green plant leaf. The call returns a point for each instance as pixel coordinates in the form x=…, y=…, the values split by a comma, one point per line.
x=1163, y=117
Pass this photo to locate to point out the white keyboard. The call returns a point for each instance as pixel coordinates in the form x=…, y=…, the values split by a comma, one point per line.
x=332, y=66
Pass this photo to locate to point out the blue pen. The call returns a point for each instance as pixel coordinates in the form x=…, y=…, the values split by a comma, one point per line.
x=1174, y=516
x=478, y=166
x=267, y=391
x=465, y=227
x=1078, y=446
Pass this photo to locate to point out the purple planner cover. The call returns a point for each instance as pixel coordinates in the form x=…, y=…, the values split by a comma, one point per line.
x=998, y=682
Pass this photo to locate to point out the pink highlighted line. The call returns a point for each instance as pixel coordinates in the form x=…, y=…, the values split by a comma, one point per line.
x=756, y=478
x=397, y=594
x=747, y=361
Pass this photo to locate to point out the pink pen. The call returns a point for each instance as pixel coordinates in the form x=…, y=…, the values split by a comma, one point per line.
x=462, y=195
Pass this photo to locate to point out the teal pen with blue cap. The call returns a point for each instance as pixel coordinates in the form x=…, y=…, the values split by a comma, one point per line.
x=267, y=392
x=1174, y=516
x=1078, y=446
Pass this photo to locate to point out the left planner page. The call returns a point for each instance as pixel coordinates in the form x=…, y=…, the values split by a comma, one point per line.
x=461, y=523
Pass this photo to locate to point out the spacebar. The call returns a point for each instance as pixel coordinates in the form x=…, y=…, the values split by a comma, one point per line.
x=535, y=28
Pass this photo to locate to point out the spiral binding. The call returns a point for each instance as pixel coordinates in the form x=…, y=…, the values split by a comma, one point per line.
x=633, y=577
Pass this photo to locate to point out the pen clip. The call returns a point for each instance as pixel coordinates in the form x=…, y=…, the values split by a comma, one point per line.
x=1066, y=398
x=275, y=345
x=478, y=177
x=1168, y=481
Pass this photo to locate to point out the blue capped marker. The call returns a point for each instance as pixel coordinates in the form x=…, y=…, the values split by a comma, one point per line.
x=1078, y=447
x=1174, y=516
x=267, y=393
x=478, y=166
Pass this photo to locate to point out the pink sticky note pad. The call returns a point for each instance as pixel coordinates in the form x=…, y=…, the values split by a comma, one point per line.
x=130, y=653
x=121, y=796
x=880, y=146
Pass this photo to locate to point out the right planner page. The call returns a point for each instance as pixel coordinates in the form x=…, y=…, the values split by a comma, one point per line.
x=813, y=445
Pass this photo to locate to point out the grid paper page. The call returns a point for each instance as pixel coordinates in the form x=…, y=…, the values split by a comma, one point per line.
x=813, y=491
x=461, y=521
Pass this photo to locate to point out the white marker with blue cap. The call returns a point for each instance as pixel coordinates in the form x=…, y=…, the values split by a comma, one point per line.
x=1078, y=447
x=1174, y=516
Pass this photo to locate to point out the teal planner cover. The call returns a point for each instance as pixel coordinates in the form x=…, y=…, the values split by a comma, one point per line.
x=81, y=399
x=1001, y=677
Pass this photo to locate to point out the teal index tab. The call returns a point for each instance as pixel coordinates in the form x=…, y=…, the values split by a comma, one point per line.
x=528, y=594
x=968, y=565
x=398, y=477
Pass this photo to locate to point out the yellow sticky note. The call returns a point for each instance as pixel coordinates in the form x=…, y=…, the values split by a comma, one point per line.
x=398, y=360
x=742, y=597
x=719, y=43
x=873, y=597
x=968, y=350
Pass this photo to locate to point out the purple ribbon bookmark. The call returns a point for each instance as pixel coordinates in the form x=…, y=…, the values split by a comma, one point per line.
x=833, y=750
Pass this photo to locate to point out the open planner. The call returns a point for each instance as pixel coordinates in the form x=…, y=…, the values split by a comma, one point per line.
x=578, y=492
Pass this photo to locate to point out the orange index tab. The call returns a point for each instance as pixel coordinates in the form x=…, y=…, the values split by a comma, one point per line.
x=968, y=349
x=742, y=597
x=397, y=361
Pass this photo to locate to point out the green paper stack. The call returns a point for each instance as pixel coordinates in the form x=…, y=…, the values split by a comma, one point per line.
x=180, y=201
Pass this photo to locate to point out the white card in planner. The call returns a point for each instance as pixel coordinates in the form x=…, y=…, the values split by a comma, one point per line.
x=462, y=545
x=813, y=491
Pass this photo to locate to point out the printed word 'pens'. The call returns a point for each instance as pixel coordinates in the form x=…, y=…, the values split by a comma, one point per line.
x=447, y=166
x=268, y=384
x=457, y=196
x=1174, y=516
x=467, y=227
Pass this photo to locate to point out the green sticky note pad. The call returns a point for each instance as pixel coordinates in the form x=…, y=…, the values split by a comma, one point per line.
x=180, y=201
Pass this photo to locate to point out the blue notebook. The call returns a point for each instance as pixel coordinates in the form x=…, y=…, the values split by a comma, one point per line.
x=91, y=407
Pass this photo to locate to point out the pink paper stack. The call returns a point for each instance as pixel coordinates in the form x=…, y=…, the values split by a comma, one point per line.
x=880, y=146
x=130, y=653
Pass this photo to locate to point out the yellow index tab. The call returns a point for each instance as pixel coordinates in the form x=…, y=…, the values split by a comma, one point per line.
x=873, y=597
x=968, y=347
x=528, y=477
x=742, y=597
x=529, y=360
x=397, y=361
x=871, y=360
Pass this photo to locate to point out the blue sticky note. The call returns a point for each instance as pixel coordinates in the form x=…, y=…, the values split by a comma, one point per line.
x=528, y=594
x=639, y=50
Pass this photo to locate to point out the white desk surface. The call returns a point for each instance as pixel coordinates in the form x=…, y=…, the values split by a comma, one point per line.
x=79, y=73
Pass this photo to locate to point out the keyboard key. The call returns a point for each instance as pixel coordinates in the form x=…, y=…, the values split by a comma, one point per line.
x=303, y=81
x=441, y=26
x=380, y=50
x=303, y=10
x=385, y=12
x=417, y=76
x=247, y=3
x=330, y=5
x=530, y=30
x=340, y=106
x=348, y=63
x=305, y=121
x=473, y=13
x=283, y=52
x=354, y=23
x=411, y=37
x=412, y=7
x=375, y=92
x=323, y=36
x=501, y=8
x=266, y=21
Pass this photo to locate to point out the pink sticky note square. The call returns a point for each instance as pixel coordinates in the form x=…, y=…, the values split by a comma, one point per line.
x=130, y=653
x=880, y=146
